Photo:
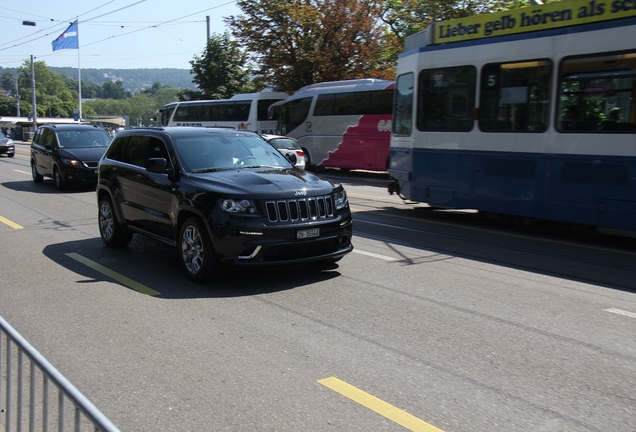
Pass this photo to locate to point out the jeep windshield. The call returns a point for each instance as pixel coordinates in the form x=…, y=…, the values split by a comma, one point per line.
x=208, y=153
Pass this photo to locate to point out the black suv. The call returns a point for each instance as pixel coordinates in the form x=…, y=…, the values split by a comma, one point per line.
x=220, y=196
x=69, y=153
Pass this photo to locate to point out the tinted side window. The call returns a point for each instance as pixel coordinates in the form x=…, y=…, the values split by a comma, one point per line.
x=47, y=137
x=116, y=149
x=37, y=138
x=157, y=149
x=135, y=152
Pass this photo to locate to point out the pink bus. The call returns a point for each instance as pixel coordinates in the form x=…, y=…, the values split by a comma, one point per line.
x=342, y=124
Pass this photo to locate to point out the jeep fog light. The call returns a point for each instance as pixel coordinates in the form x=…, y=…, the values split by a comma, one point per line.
x=237, y=206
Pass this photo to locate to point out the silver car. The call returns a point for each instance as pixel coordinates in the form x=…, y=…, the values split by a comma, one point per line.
x=289, y=147
x=6, y=145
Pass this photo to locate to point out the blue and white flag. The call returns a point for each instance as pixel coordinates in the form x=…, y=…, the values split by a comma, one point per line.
x=68, y=39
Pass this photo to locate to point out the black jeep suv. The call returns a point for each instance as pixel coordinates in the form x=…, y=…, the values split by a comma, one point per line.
x=220, y=196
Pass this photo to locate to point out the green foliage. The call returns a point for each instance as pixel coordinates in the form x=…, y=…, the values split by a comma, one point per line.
x=8, y=106
x=300, y=42
x=51, y=90
x=114, y=90
x=221, y=71
x=134, y=80
x=7, y=80
x=407, y=17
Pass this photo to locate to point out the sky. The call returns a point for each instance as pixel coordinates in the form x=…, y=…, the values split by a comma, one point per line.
x=113, y=34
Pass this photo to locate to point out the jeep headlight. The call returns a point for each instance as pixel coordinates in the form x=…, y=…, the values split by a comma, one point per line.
x=237, y=206
x=340, y=199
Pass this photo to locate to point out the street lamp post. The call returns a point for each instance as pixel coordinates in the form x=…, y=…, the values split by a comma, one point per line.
x=35, y=123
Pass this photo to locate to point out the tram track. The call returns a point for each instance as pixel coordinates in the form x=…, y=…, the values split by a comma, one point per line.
x=617, y=270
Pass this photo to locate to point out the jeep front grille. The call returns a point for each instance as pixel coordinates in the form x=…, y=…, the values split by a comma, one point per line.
x=302, y=209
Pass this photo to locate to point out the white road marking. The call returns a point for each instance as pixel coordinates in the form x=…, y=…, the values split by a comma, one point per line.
x=621, y=312
x=375, y=255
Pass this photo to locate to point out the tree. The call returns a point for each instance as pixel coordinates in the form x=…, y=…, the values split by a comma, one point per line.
x=50, y=90
x=300, y=42
x=90, y=90
x=221, y=71
x=8, y=81
x=114, y=90
x=407, y=17
x=7, y=106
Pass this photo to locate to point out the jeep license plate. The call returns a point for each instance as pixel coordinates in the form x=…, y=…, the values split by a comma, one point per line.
x=308, y=233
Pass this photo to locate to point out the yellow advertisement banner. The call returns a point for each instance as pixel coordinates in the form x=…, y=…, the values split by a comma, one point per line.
x=542, y=17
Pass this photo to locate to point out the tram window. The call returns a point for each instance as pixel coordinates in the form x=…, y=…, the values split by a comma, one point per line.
x=597, y=94
x=515, y=96
x=446, y=98
x=403, y=112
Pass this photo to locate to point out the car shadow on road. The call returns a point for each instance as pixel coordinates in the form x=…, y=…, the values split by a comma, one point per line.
x=46, y=187
x=150, y=267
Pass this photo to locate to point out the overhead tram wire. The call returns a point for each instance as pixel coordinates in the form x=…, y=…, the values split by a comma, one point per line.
x=58, y=26
x=160, y=24
x=63, y=23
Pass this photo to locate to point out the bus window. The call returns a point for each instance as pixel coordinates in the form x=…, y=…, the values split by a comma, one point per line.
x=352, y=103
x=262, y=105
x=446, y=98
x=380, y=102
x=403, y=112
x=325, y=105
x=514, y=96
x=166, y=113
x=241, y=111
x=293, y=114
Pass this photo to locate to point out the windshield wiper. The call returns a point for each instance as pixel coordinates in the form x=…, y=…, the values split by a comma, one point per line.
x=205, y=170
x=261, y=166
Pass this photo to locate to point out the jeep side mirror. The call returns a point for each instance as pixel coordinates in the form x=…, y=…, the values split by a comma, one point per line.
x=158, y=165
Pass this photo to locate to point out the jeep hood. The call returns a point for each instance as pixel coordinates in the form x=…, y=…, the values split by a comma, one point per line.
x=264, y=183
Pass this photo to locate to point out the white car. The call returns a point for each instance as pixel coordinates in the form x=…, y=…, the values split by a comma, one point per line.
x=289, y=147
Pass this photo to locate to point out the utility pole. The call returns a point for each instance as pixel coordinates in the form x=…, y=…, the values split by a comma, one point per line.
x=207, y=20
x=17, y=97
x=33, y=95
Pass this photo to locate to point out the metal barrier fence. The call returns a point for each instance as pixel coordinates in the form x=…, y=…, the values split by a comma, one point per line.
x=14, y=405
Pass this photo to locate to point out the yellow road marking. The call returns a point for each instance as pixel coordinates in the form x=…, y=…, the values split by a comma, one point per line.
x=114, y=275
x=371, y=402
x=11, y=224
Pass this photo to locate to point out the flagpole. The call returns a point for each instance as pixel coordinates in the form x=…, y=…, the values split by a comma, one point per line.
x=70, y=40
x=79, y=74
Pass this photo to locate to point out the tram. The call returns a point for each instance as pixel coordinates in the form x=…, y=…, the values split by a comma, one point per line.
x=529, y=113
